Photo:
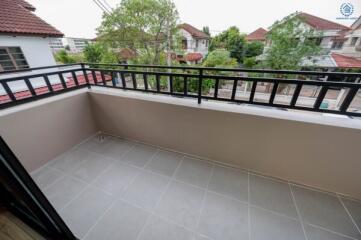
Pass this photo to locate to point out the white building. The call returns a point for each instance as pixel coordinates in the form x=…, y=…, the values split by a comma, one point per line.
x=56, y=44
x=76, y=45
x=24, y=41
x=195, y=43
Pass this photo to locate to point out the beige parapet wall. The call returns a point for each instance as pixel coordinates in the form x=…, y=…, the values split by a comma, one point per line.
x=38, y=132
x=322, y=156
x=315, y=154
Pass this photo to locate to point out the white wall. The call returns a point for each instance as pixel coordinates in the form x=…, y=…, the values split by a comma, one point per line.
x=36, y=49
x=191, y=44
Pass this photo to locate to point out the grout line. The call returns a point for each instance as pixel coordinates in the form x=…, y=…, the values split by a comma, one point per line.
x=298, y=212
x=249, y=207
x=349, y=214
x=330, y=231
x=204, y=199
x=159, y=201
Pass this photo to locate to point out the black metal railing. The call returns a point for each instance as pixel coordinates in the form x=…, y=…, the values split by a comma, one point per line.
x=325, y=92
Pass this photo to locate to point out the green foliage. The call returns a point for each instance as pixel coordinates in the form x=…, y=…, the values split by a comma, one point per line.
x=206, y=30
x=220, y=58
x=290, y=43
x=144, y=25
x=250, y=62
x=64, y=57
x=253, y=49
x=98, y=53
x=231, y=40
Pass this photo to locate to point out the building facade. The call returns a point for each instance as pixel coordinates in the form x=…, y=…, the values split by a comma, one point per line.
x=195, y=44
x=24, y=37
x=76, y=45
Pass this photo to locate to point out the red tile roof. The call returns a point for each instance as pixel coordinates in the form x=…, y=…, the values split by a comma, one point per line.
x=343, y=61
x=17, y=18
x=56, y=87
x=258, y=35
x=193, y=57
x=193, y=31
x=320, y=23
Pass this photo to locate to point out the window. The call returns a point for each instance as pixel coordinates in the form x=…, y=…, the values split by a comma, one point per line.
x=12, y=58
x=353, y=41
x=337, y=45
x=206, y=43
x=196, y=43
x=184, y=43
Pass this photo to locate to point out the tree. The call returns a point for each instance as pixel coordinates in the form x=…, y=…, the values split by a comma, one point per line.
x=98, y=53
x=291, y=42
x=231, y=40
x=253, y=49
x=206, y=30
x=220, y=58
x=148, y=26
x=62, y=56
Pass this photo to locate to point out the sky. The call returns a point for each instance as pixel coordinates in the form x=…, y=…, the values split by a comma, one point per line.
x=80, y=18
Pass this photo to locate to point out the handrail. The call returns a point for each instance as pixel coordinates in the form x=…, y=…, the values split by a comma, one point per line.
x=164, y=82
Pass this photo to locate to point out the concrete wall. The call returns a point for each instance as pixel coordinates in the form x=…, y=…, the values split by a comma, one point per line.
x=322, y=156
x=38, y=132
x=36, y=49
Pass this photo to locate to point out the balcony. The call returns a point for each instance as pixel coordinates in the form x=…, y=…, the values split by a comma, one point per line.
x=123, y=152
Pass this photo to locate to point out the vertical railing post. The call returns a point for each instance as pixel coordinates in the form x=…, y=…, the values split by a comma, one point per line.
x=200, y=83
x=85, y=74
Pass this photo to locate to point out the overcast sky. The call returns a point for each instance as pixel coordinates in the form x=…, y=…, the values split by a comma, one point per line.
x=80, y=18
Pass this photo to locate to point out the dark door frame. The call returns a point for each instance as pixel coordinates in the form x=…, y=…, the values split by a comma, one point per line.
x=20, y=194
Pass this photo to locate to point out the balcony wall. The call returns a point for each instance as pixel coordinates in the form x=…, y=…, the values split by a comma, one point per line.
x=309, y=149
x=314, y=154
x=38, y=132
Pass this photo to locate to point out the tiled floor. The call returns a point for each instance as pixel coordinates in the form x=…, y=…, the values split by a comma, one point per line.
x=121, y=190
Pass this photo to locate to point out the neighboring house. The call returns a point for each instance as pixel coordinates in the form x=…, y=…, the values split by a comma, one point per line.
x=195, y=44
x=24, y=37
x=257, y=35
x=341, y=45
x=76, y=45
x=352, y=43
x=56, y=44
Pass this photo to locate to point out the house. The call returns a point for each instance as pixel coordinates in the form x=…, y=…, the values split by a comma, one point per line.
x=56, y=44
x=76, y=45
x=195, y=43
x=24, y=37
x=341, y=45
x=257, y=35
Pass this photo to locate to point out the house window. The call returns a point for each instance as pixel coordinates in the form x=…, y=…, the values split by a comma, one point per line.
x=206, y=43
x=353, y=41
x=184, y=43
x=337, y=45
x=196, y=43
x=12, y=58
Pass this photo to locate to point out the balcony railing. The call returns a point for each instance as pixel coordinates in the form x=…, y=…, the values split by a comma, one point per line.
x=323, y=92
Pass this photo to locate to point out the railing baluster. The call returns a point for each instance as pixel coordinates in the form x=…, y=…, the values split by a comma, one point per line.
x=48, y=84
x=8, y=91
x=124, y=84
x=75, y=78
x=185, y=86
x=216, y=88
x=348, y=99
x=296, y=93
x=145, y=81
x=171, y=84
x=134, y=80
x=95, y=80
x=320, y=97
x=273, y=94
x=103, y=78
x=234, y=89
x=157, y=79
x=30, y=86
x=63, y=83
x=253, y=91
x=85, y=73
x=200, y=83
